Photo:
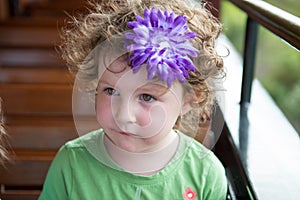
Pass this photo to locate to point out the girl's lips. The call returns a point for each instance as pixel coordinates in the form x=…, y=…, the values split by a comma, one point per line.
x=127, y=134
x=124, y=133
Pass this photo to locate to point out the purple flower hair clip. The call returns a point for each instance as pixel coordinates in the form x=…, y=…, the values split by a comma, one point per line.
x=161, y=41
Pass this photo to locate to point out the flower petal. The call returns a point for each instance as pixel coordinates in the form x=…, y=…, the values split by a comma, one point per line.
x=161, y=40
x=153, y=18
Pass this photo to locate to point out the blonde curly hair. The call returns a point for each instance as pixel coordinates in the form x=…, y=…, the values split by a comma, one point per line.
x=3, y=151
x=103, y=20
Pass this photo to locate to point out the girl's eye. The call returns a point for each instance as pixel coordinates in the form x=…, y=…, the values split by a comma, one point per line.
x=111, y=91
x=147, y=98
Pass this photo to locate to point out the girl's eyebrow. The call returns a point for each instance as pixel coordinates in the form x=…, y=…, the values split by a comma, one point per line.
x=151, y=88
x=105, y=81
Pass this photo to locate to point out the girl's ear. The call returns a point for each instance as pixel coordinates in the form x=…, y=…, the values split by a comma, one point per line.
x=186, y=106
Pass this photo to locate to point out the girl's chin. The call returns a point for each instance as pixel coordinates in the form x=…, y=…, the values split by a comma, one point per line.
x=125, y=143
x=129, y=148
x=133, y=146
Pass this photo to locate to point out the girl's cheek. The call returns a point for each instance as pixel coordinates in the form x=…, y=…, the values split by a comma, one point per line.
x=153, y=117
x=144, y=118
x=103, y=111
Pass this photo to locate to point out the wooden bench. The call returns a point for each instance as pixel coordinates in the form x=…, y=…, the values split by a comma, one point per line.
x=34, y=141
x=36, y=89
x=24, y=43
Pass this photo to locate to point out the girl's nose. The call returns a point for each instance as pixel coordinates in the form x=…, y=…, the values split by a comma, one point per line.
x=123, y=111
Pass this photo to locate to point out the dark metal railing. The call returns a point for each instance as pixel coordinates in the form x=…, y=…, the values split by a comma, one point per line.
x=279, y=22
x=282, y=24
x=249, y=60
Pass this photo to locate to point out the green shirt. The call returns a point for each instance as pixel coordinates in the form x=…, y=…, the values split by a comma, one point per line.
x=76, y=173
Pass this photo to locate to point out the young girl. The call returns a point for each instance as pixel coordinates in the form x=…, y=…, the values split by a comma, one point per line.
x=153, y=66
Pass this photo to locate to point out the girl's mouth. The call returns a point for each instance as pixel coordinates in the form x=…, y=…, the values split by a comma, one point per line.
x=127, y=134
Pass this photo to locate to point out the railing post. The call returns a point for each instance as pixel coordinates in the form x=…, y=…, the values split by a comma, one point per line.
x=249, y=60
x=247, y=79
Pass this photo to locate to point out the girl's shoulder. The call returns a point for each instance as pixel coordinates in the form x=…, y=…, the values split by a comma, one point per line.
x=197, y=154
x=202, y=167
x=83, y=140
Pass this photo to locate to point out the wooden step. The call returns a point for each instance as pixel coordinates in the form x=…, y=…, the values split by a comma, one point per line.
x=23, y=194
x=28, y=168
x=33, y=22
x=55, y=8
x=36, y=99
x=38, y=75
x=45, y=132
x=31, y=57
x=32, y=36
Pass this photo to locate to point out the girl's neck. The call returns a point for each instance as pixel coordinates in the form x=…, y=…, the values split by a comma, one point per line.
x=145, y=163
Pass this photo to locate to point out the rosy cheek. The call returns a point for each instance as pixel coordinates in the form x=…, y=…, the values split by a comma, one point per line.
x=103, y=112
x=144, y=117
x=152, y=120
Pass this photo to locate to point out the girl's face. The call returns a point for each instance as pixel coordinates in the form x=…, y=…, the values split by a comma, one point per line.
x=135, y=113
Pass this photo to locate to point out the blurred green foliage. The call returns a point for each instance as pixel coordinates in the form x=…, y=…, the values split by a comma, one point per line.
x=291, y=6
x=277, y=63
